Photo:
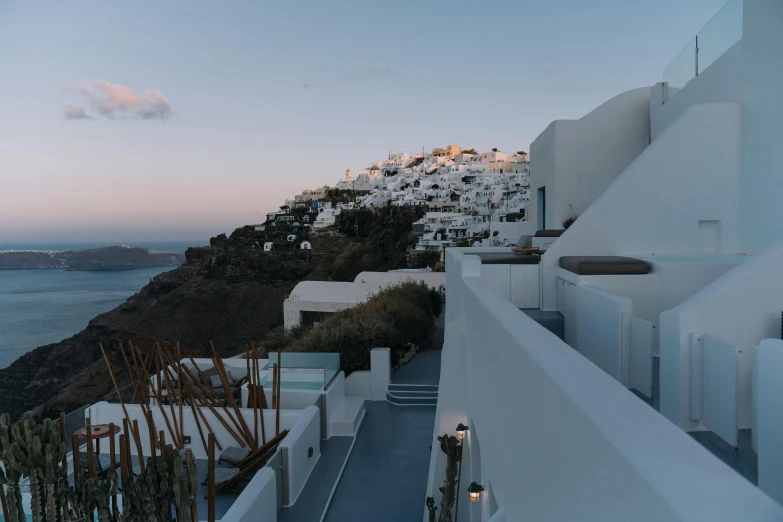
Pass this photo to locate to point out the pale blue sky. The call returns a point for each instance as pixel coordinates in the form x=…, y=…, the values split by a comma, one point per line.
x=272, y=99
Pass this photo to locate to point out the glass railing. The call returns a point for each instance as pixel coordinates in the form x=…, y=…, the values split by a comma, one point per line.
x=320, y=368
x=715, y=38
x=723, y=31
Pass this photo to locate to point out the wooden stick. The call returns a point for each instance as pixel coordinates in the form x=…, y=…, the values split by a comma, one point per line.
x=90, y=451
x=179, y=391
x=251, y=394
x=230, y=396
x=279, y=380
x=192, y=488
x=130, y=373
x=216, y=399
x=198, y=423
x=113, y=466
x=274, y=384
x=138, y=445
x=117, y=389
x=174, y=434
x=211, y=479
x=123, y=456
x=77, y=463
x=260, y=394
x=159, y=399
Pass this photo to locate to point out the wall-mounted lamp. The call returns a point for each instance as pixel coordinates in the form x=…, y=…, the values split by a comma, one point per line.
x=461, y=429
x=474, y=490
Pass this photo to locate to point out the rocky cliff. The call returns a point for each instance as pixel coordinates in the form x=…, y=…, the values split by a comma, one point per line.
x=230, y=292
x=108, y=258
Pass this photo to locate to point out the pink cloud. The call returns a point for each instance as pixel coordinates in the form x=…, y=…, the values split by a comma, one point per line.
x=119, y=102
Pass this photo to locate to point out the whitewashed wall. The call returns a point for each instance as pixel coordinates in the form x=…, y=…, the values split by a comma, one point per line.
x=576, y=160
x=559, y=439
x=693, y=166
x=604, y=330
x=741, y=307
x=305, y=436
x=105, y=413
x=257, y=502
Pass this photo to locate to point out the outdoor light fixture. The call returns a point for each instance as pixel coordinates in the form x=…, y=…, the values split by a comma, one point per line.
x=461, y=429
x=474, y=490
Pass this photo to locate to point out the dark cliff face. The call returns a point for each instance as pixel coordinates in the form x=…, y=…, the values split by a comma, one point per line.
x=230, y=292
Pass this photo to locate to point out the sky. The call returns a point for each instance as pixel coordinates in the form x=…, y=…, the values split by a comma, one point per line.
x=166, y=120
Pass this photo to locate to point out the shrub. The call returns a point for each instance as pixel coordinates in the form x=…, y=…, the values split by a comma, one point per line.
x=397, y=317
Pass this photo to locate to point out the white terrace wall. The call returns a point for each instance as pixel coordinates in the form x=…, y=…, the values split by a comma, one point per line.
x=741, y=308
x=559, y=438
x=576, y=160
x=105, y=413
x=685, y=182
x=258, y=501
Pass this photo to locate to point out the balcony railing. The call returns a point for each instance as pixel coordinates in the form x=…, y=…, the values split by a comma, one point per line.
x=715, y=38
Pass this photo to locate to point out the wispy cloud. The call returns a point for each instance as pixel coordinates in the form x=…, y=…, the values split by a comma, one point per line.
x=115, y=101
x=554, y=73
x=381, y=70
x=305, y=85
x=74, y=112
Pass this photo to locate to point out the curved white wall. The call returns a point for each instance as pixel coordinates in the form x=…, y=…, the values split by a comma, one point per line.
x=578, y=159
x=690, y=173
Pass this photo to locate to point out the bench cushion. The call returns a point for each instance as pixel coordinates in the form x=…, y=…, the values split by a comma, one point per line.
x=604, y=265
x=509, y=259
x=549, y=233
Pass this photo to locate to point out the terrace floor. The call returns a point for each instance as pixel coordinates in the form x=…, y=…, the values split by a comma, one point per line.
x=313, y=498
x=552, y=321
x=386, y=474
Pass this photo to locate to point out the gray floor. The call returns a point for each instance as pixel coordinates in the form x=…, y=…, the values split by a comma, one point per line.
x=552, y=321
x=386, y=474
x=742, y=459
x=422, y=369
x=312, y=500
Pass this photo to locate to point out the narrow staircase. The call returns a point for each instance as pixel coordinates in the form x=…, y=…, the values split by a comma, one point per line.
x=401, y=394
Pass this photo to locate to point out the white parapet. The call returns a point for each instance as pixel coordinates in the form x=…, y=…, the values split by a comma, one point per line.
x=380, y=373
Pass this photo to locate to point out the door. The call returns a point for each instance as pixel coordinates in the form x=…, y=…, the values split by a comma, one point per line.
x=541, y=208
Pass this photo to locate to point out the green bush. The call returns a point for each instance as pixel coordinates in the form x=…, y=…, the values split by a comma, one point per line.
x=396, y=317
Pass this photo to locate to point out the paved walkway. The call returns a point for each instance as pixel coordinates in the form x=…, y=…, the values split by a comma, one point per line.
x=386, y=475
x=312, y=500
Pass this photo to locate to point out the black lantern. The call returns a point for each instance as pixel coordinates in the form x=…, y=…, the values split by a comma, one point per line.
x=474, y=490
x=461, y=429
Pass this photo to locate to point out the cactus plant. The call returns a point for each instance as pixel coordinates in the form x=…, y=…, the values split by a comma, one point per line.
x=450, y=446
x=34, y=449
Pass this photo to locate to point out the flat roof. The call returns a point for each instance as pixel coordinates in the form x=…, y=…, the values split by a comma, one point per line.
x=333, y=292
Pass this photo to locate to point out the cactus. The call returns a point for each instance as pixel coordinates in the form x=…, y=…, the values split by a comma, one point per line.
x=38, y=450
x=431, y=508
x=451, y=447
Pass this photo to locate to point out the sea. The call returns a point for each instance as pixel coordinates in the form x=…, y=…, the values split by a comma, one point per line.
x=43, y=306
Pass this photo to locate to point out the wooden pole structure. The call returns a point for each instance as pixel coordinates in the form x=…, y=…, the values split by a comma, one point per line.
x=113, y=466
x=251, y=389
x=77, y=463
x=279, y=378
x=198, y=423
x=192, y=488
x=181, y=398
x=130, y=373
x=216, y=401
x=138, y=445
x=174, y=434
x=230, y=396
x=260, y=394
x=211, y=479
x=123, y=456
x=274, y=385
x=90, y=451
x=117, y=389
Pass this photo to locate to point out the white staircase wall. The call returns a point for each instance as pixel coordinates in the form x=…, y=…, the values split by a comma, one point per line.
x=689, y=174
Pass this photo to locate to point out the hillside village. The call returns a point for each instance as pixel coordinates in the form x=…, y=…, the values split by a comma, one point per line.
x=470, y=198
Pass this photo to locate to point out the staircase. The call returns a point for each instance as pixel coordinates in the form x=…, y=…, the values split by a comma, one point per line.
x=401, y=394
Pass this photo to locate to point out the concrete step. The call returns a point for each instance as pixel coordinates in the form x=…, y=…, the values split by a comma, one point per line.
x=423, y=388
x=412, y=401
x=344, y=420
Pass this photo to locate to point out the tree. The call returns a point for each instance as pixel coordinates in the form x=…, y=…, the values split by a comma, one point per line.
x=494, y=149
x=521, y=153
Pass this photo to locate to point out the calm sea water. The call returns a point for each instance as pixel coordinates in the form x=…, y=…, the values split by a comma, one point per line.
x=44, y=306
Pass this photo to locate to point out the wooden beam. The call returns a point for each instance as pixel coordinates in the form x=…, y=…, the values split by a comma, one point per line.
x=211, y=479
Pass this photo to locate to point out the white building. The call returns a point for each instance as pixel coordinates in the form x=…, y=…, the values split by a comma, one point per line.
x=669, y=283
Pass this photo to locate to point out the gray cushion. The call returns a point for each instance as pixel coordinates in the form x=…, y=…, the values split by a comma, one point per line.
x=233, y=454
x=549, y=233
x=604, y=265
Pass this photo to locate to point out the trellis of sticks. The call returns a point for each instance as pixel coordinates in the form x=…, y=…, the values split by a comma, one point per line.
x=194, y=391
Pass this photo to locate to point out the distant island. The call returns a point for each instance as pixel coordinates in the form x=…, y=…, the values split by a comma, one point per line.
x=122, y=257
